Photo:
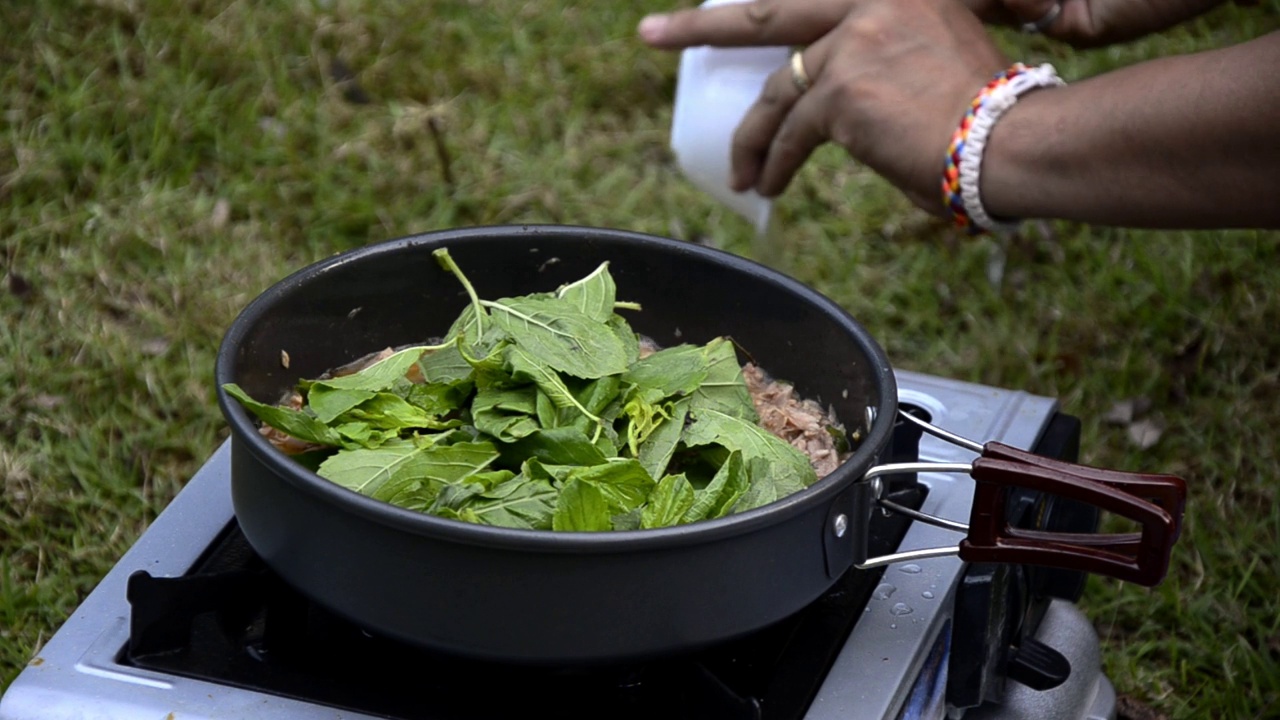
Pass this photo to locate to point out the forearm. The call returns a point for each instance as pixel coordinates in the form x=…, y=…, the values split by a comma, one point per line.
x=1188, y=141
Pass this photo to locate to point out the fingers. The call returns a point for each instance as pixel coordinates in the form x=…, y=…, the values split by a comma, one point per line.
x=763, y=22
x=799, y=135
x=1035, y=15
x=1043, y=15
x=780, y=131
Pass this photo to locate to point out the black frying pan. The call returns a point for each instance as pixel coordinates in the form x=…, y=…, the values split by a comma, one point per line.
x=547, y=597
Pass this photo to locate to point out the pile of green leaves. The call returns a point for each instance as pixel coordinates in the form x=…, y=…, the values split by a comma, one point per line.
x=538, y=412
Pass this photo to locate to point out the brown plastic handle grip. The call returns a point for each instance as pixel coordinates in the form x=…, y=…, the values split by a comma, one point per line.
x=1155, y=502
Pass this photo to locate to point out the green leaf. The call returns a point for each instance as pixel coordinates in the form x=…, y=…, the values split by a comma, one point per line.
x=385, y=411
x=561, y=336
x=719, y=496
x=489, y=369
x=621, y=329
x=765, y=485
x=330, y=398
x=453, y=436
x=581, y=507
x=678, y=370
x=596, y=395
x=555, y=446
x=524, y=367
x=446, y=365
x=606, y=441
x=382, y=374
x=537, y=470
x=724, y=389
x=455, y=496
x=328, y=403
x=516, y=503
x=783, y=468
x=668, y=503
x=505, y=413
x=472, y=338
x=410, y=493
x=469, y=323
x=623, y=481
x=510, y=399
x=295, y=423
x=657, y=450
x=627, y=520
x=600, y=398
x=488, y=479
x=358, y=433
x=366, y=469
x=397, y=463
x=547, y=413
x=505, y=428
x=440, y=398
x=594, y=294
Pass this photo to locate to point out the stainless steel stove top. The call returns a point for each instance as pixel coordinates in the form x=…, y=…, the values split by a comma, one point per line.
x=893, y=664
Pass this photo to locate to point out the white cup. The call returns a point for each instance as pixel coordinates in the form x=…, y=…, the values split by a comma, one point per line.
x=714, y=89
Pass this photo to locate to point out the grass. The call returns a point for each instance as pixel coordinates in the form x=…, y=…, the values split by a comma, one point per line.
x=162, y=163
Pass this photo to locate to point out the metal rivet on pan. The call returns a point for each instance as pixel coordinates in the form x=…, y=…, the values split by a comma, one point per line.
x=877, y=489
x=841, y=525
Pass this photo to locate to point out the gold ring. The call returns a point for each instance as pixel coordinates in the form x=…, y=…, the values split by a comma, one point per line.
x=799, y=77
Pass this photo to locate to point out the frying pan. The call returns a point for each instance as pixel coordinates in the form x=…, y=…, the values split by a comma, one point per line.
x=543, y=597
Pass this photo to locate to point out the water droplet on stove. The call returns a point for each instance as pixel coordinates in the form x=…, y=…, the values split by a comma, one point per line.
x=893, y=626
x=901, y=609
x=257, y=651
x=927, y=595
x=911, y=569
x=884, y=591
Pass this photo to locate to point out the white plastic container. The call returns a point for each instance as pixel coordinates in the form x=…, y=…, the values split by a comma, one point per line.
x=714, y=89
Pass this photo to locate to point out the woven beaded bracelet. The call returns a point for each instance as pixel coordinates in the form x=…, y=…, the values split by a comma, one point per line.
x=963, y=163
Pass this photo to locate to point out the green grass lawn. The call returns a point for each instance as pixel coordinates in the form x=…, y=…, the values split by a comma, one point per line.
x=163, y=163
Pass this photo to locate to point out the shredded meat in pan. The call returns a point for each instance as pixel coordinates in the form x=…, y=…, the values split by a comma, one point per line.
x=801, y=422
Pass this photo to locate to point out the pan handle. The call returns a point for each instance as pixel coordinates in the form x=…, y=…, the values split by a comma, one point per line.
x=1154, y=502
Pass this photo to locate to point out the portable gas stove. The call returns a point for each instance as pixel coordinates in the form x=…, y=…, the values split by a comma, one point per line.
x=191, y=624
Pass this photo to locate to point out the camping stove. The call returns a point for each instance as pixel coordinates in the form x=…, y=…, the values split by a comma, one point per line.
x=191, y=624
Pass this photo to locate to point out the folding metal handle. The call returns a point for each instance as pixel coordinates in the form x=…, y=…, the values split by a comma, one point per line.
x=1155, y=502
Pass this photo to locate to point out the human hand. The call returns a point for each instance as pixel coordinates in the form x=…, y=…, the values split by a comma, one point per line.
x=739, y=24
x=889, y=81
x=1088, y=23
